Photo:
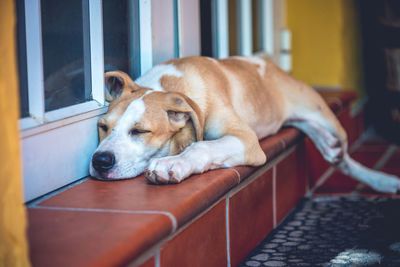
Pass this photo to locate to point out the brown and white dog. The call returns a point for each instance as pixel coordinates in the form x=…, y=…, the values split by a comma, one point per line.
x=193, y=114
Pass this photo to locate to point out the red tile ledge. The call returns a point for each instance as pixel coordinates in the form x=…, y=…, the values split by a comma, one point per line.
x=100, y=223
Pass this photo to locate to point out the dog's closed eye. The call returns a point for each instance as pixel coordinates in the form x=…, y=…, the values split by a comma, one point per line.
x=134, y=132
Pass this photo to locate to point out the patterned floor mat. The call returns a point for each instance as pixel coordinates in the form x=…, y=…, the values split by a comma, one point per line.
x=334, y=231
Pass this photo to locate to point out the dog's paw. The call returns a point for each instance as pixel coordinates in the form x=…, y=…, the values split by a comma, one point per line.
x=168, y=170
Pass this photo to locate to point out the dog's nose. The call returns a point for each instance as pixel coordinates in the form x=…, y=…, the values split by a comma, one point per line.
x=103, y=161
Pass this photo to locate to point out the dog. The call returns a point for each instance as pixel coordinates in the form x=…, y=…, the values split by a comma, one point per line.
x=193, y=114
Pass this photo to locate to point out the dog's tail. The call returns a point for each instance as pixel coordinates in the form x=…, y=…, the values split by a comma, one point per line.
x=379, y=181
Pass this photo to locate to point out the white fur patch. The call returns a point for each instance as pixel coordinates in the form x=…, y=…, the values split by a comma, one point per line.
x=132, y=114
x=152, y=78
x=255, y=60
x=227, y=151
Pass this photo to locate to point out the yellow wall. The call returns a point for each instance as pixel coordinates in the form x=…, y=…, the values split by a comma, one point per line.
x=13, y=245
x=326, y=42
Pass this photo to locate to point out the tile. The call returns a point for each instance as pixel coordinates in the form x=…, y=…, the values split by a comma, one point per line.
x=276, y=144
x=376, y=140
x=372, y=148
x=394, y=162
x=149, y=263
x=184, y=200
x=76, y=238
x=201, y=244
x=392, y=170
x=345, y=96
x=250, y=216
x=368, y=155
x=316, y=164
x=290, y=182
x=338, y=183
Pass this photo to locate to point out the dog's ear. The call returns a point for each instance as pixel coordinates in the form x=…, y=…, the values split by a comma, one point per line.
x=182, y=109
x=116, y=84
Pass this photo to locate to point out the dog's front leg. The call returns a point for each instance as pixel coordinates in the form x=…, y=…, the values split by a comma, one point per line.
x=199, y=157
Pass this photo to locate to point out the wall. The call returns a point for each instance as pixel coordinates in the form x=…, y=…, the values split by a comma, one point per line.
x=13, y=245
x=326, y=43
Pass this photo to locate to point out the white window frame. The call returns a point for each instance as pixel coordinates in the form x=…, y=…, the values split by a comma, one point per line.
x=53, y=152
x=57, y=145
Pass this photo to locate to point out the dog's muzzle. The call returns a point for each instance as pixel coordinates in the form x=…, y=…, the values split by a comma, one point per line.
x=103, y=161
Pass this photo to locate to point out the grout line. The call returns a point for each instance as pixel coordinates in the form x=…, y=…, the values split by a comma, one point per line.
x=321, y=181
x=237, y=173
x=358, y=107
x=168, y=214
x=157, y=259
x=274, y=196
x=159, y=245
x=357, y=144
x=261, y=170
x=385, y=157
x=227, y=219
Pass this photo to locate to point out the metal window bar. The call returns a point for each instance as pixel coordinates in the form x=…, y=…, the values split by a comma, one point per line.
x=177, y=29
x=245, y=36
x=220, y=31
x=96, y=51
x=34, y=58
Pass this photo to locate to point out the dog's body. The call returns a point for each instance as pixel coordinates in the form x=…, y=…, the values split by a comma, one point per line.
x=193, y=114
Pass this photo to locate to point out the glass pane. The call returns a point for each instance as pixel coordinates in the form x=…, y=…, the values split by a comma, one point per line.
x=256, y=18
x=64, y=49
x=206, y=28
x=121, y=32
x=21, y=40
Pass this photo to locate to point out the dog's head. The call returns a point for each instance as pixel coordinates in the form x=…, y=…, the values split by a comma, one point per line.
x=141, y=124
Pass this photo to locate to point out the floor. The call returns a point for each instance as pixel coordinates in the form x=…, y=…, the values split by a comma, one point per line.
x=343, y=223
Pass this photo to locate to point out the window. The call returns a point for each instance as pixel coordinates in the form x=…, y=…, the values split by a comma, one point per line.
x=65, y=47
x=63, y=89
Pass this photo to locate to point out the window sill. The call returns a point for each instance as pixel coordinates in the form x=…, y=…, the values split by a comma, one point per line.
x=200, y=220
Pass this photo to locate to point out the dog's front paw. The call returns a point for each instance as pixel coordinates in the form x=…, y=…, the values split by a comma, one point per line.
x=168, y=170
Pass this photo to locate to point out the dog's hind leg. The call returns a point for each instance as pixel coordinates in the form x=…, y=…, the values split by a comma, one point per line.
x=321, y=125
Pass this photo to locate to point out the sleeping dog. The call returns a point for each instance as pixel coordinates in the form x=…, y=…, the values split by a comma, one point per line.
x=193, y=114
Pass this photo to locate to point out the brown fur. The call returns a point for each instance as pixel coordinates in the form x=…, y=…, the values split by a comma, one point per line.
x=230, y=97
